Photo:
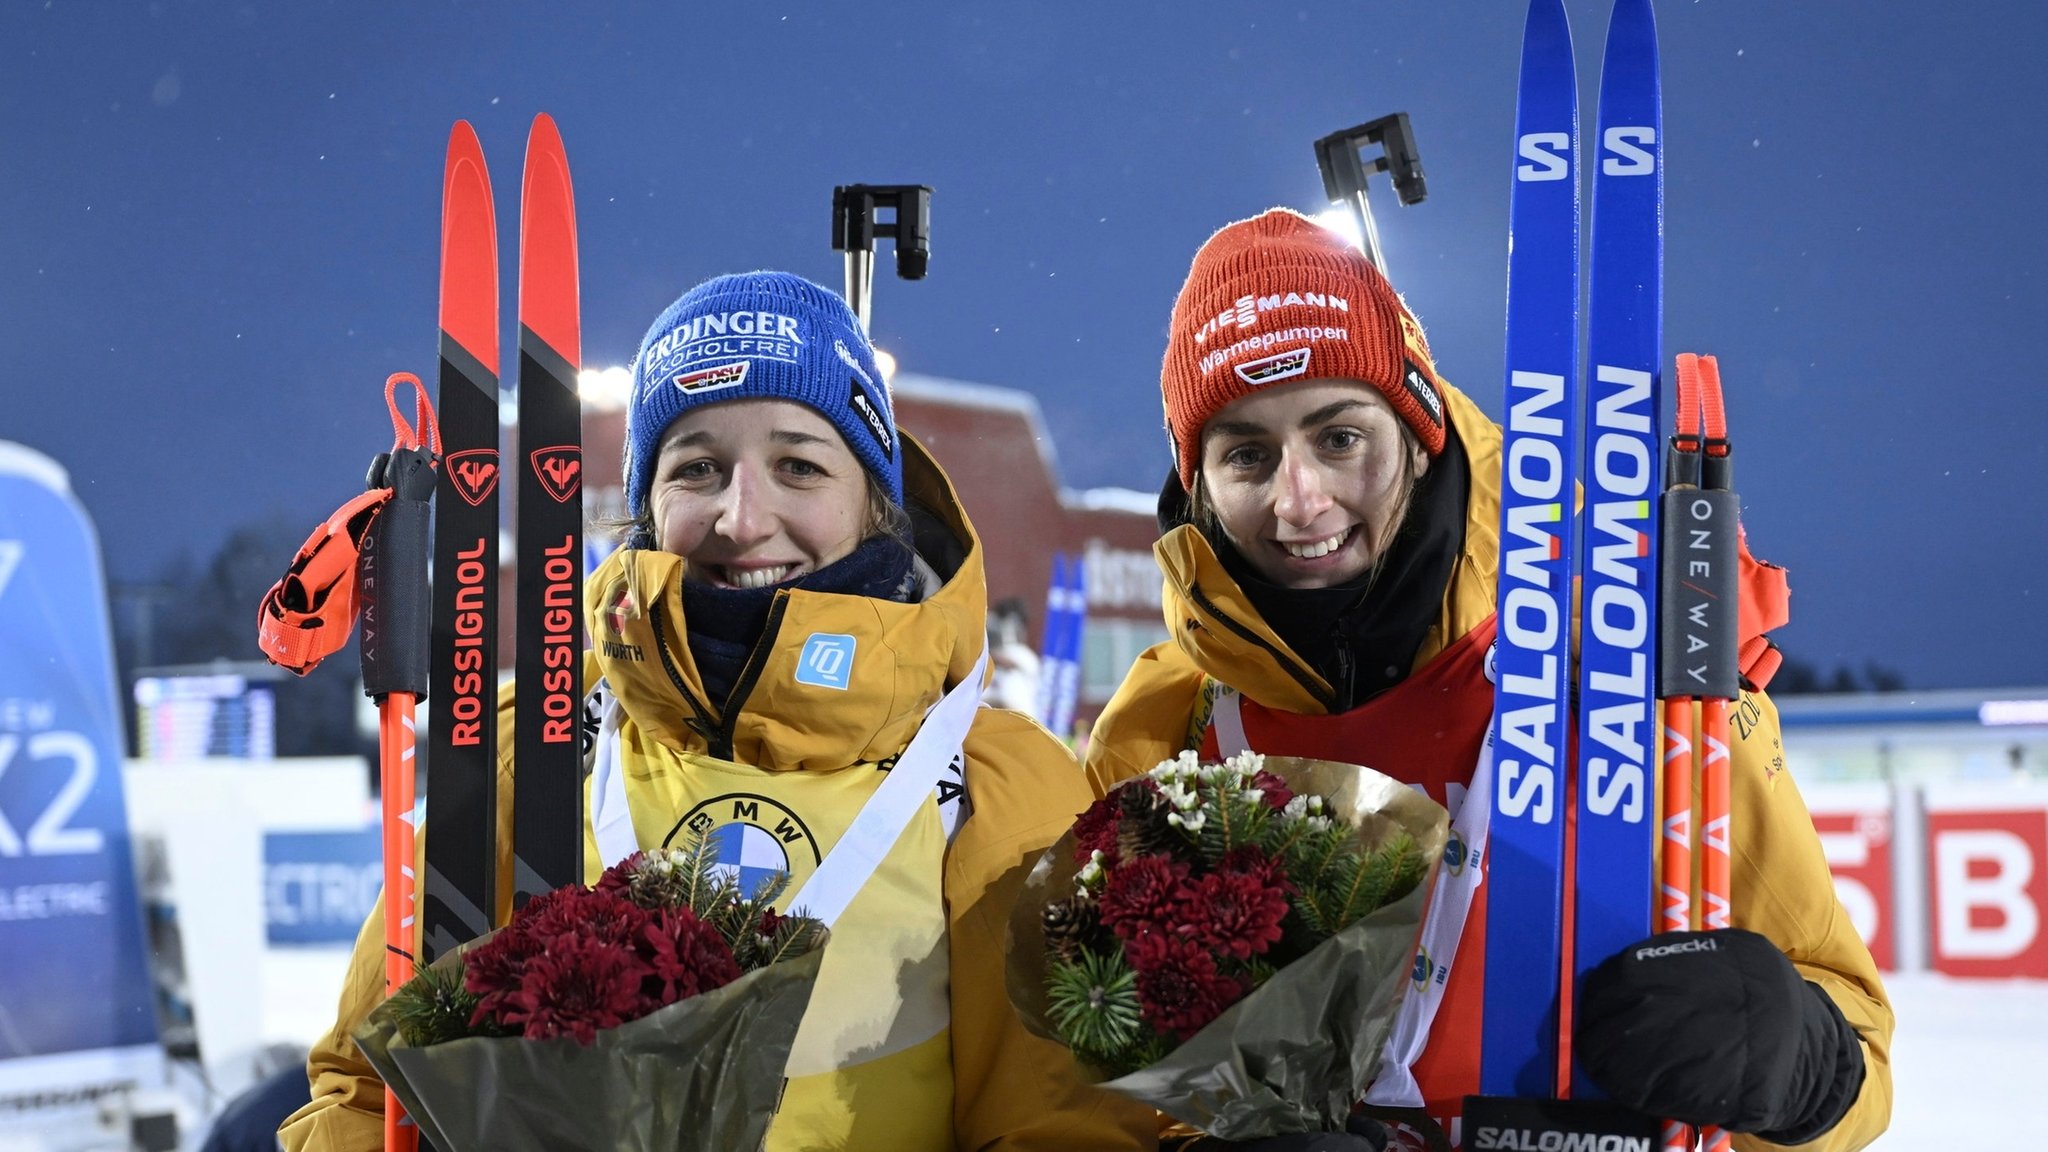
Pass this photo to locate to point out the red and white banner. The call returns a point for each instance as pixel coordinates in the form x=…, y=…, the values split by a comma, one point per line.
x=1950, y=876
x=1857, y=832
x=1987, y=879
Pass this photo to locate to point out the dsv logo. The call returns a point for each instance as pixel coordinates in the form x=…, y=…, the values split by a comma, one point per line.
x=1629, y=151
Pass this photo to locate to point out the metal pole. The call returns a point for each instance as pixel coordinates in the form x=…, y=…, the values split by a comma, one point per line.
x=855, y=230
x=860, y=282
x=1345, y=172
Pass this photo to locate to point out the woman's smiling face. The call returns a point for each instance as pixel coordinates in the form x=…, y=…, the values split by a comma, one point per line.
x=1309, y=479
x=756, y=492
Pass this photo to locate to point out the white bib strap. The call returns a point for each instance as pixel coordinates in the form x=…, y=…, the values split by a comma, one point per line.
x=1443, y=924
x=610, y=819
x=881, y=821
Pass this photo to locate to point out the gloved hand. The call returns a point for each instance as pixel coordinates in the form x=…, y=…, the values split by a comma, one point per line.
x=1361, y=1134
x=1718, y=1028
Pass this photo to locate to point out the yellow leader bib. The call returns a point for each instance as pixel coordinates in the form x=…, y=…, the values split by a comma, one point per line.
x=872, y=1063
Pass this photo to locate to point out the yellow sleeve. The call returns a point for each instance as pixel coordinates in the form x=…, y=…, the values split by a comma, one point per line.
x=1149, y=719
x=1014, y=1091
x=346, y=1113
x=1783, y=889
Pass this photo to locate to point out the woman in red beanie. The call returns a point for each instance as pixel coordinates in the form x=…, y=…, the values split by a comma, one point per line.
x=1330, y=548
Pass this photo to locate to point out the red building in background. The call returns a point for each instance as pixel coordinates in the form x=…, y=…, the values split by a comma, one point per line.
x=993, y=443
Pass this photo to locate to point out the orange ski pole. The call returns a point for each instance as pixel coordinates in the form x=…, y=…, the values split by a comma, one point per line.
x=397, y=612
x=1716, y=865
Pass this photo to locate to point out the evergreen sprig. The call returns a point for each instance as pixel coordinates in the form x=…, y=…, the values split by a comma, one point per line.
x=1349, y=886
x=1094, y=1004
x=433, y=1007
x=1231, y=820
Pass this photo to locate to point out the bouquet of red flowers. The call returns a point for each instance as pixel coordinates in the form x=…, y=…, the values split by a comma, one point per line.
x=1229, y=942
x=654, y=1010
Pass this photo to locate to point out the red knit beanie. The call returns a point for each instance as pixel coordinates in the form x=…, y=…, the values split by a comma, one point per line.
x=1278, y=297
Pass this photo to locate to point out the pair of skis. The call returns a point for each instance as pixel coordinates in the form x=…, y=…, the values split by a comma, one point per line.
x=1558, y=904
x=462, y=759
x=459, y=890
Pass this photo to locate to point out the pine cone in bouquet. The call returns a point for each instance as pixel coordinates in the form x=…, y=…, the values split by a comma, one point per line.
x=1229, y=942
x=653, y=1010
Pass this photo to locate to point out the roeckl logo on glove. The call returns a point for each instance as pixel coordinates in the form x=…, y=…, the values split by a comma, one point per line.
x=1663, y=950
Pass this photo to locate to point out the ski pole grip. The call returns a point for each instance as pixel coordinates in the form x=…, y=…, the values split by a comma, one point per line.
x=1697, y=643
x=392, y=577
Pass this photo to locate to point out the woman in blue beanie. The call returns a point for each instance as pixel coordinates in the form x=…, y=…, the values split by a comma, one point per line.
x=801, y=594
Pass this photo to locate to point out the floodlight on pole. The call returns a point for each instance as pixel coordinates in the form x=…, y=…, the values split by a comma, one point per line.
x=1345, y=171
x=855, y=229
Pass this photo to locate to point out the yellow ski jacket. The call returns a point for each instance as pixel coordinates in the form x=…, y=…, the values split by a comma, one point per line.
x=910, y=1042
x=1782, y=887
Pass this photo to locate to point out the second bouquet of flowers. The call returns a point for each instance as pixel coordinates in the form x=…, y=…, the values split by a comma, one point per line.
x=1229, y=942
x=652, y=1012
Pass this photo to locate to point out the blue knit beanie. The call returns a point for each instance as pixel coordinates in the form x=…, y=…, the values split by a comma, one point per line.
x=753, y=336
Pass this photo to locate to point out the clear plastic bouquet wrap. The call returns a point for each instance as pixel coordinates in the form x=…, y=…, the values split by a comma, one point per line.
x=653, y=1012
x=1229, y=942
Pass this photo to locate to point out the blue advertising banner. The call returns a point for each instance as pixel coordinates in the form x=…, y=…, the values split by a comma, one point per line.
x=319, y=887
x=76, y=999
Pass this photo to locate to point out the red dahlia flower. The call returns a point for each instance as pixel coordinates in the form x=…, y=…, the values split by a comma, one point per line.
x=1179, y=989
x=1142, y=896
x=1237, y=908
x=687, y=956
x=1095, y=831
x=575, y=988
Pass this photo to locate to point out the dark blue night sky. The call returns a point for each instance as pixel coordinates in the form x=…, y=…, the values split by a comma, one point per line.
x=220, y=227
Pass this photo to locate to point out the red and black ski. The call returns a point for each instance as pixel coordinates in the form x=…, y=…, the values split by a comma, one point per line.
x=547, y=806
x=462, y=730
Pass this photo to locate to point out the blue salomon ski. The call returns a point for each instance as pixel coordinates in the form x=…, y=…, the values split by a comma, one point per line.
x=1525, y=873
x=1618, y=717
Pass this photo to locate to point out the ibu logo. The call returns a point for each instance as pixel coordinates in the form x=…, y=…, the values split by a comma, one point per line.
x=827, y=661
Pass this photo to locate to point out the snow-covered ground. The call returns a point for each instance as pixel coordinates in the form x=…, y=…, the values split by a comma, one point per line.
x=1969, y=1064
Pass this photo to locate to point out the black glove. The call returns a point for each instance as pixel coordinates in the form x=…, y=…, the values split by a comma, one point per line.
x=1361, y=1134
x=1718, y=1028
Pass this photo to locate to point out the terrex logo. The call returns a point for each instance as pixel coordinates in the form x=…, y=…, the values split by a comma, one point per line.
x=560, y=470
x=474, y=472
x=876, y=425
x=1419, y=387
x=1279, y=366
x=712, y=379
x=1245, y=311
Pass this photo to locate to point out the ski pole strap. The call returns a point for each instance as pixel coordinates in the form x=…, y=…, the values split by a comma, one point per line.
x=1443, y=922
x=309, y=614
x=397, y=607
x=875, y=828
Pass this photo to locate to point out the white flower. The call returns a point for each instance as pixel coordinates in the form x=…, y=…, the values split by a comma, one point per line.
x=1253, y=794
x=1318, y=823
x=1091, y=873
x=1190, y=822
x=1247, y=762
x=1296, y=809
